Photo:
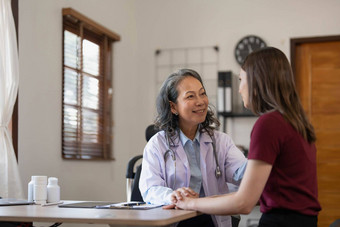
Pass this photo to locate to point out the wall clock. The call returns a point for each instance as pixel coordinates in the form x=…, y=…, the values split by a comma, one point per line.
x=247, y=45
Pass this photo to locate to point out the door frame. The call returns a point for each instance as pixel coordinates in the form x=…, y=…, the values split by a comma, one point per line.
x=294, y=42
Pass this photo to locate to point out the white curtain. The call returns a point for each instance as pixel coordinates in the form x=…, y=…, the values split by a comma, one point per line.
x=10, y=183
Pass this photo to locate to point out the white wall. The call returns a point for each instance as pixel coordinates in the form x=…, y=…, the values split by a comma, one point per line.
x=191, y=23
x=40, y=32
x=144, y=25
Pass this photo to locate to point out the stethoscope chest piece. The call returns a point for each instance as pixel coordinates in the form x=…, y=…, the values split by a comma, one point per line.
x=218, y=172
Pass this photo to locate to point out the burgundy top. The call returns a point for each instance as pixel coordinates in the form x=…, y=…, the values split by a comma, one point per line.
x=292, y=183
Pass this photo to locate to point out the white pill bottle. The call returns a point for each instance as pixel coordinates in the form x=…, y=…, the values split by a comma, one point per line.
x=53, y=190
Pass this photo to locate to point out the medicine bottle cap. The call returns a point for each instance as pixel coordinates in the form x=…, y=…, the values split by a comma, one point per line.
x=53, y=181
x=40, y=179
x=34, y=177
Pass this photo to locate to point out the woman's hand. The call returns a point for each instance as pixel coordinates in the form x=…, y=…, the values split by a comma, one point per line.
x=179, y=195
x=184, y=203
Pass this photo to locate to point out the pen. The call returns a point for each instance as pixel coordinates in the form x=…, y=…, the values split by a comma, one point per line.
x=51, y=204
x=133, y=204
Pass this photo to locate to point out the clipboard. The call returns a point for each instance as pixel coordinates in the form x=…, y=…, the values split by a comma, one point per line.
x=87, y=204
x=129, y=205
x=14, y=202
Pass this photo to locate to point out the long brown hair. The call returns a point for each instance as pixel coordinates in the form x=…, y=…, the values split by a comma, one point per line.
x=271, y=87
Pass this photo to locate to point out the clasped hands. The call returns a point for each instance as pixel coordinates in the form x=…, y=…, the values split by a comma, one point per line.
x=179, y=196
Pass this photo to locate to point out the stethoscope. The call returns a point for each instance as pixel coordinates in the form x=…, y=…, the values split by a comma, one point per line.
x=173, y=157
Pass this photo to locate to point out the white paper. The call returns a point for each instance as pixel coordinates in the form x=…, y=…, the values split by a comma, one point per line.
x=228, y=99
x=220, y=99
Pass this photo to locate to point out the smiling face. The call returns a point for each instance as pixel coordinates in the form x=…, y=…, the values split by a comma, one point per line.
x=243, y=89
x=192, y=104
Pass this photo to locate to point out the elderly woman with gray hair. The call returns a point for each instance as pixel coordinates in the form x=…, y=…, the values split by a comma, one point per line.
x=188, y=156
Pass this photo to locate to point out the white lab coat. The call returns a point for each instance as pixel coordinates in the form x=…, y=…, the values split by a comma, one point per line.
x=160, y=172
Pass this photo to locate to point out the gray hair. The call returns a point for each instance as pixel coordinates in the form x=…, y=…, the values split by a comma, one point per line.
x=169, y=122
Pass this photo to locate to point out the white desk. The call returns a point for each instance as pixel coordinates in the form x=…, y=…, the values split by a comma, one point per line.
x=37, y=213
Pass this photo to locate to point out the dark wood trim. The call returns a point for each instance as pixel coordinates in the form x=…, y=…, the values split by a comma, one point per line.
x=92, y=24
x=73, y=149
x=15, y=118
x=15, y=12
x=294, y=42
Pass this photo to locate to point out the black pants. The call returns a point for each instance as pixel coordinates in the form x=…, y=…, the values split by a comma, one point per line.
x=287, y=218
x=203, y=220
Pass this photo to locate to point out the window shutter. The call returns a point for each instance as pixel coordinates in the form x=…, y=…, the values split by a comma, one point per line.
x=86, y=130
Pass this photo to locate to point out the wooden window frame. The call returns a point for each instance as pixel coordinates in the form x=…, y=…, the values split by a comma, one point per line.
x=84, y=27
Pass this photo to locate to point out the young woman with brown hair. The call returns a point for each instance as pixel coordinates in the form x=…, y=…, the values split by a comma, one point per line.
x=281, y=170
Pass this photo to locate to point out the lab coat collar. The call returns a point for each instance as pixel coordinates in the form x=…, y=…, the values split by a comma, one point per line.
x=205, y=138
x=184, y=139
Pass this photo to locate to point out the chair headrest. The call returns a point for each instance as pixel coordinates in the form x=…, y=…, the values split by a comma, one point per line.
x=150, y=131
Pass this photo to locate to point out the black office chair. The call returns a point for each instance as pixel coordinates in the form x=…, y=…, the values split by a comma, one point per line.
x=134, y=169
x=132, y=177
x=150, y=131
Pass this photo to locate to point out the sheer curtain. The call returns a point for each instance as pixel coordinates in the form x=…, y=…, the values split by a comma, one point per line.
x=10, y=183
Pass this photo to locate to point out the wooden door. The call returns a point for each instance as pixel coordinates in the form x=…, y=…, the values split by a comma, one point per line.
x=317, y=72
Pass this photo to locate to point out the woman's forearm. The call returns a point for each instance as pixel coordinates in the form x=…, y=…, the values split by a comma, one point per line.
x=240, y=202
x=221, y=205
